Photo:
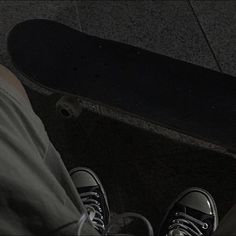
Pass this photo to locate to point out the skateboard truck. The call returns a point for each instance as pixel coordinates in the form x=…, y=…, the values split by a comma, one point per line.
x=69, y=107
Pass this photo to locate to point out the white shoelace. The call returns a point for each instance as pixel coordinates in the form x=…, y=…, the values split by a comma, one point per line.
x=109, y=226
x=186, y=226
x=94, y=210
x=95, y=215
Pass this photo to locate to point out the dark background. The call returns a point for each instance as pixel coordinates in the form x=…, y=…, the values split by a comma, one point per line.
x=141, y=171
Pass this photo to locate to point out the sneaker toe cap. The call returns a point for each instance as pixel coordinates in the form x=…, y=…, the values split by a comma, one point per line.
x=83, y=179
x=198, y=201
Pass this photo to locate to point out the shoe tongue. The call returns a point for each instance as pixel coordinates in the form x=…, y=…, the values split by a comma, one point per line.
x=87, y=189
x=176, y=232
x=94, y=188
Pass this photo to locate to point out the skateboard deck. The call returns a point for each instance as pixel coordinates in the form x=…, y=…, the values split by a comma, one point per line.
x=125, y=82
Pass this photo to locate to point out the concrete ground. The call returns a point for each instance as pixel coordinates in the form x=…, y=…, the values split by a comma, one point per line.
x=154, y=168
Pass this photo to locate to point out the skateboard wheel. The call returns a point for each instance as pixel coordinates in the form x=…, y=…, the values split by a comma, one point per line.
x=69, y=107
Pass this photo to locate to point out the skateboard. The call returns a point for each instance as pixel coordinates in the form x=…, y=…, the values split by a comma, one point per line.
x=126, y=83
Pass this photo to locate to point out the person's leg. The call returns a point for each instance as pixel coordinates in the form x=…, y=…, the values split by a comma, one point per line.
x=227, y=226
x=33, y=169
x=11, y=82
x=53, y=159
x=56, y=166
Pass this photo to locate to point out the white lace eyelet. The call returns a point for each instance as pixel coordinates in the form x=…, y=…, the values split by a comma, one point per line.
x=205, y=226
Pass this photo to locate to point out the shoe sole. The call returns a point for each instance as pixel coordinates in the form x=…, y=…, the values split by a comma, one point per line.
x=74, y=170
x=181, y=195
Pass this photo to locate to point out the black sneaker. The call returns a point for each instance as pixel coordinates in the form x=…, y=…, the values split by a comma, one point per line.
x=93, y=196
x=193, y=213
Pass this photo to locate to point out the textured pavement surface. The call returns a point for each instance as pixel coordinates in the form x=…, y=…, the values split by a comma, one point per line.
x=141, y=172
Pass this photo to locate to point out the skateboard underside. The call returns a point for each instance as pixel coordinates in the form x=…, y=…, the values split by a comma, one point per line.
x=127, y=83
